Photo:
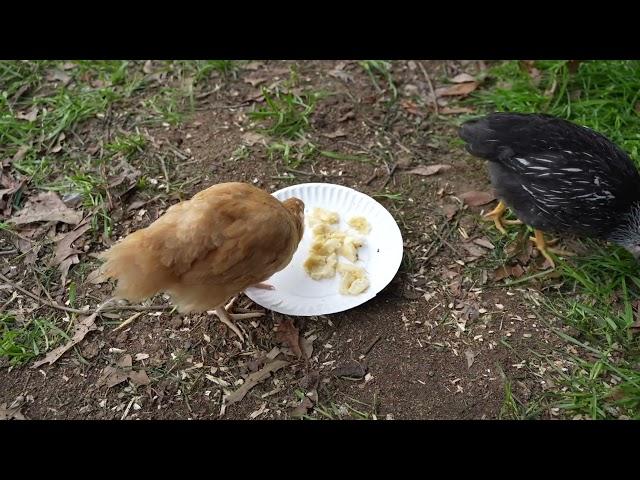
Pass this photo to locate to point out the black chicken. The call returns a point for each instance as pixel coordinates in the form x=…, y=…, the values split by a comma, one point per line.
x=558, y=177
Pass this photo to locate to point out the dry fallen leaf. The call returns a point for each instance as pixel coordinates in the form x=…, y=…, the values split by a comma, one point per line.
x=483, y=242
x=474, y=250
x=427, y=170
x=475, y=198
x=58, y=146
x=111, y=377
x=253, y=380
x=339, y=73
x=412, y=108
x=85, y=326
x=54, y=75
x=29, y=116
x=515, y=271
x=287, y=333
x=302, y=409
x=20, y=154
x=46, y=207
x=63, y=246
x=253, y=65
x=462, y=78
x=11, y=186
x=255, y=81
x=122, y=371
x=470, y=356
x=457, y=90
x=450, y=210
x=338, y=133
x=306, y=345
x=8, y=413
x=252, y=138
x=455, y=110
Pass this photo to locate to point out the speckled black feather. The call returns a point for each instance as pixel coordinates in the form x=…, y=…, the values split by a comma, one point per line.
x=555, y=175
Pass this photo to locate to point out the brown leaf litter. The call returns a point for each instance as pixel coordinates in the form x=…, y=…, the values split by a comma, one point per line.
x=65, y=255
x=11, y=413
x=457, y=90
x=251, y=381
x=122, y=371
x=85, y=326
x=287, y=333
x=475, y=198
x=428, y=170
x=514, y=271
x=46, y=207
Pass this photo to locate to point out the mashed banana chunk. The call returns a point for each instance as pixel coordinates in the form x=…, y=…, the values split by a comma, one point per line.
x=330, y=243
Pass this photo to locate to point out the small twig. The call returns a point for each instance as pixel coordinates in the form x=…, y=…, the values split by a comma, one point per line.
x=128, y=321
x=8, y=252
x=8, y=302
x=433, y=92
x=40, y=300
x=178, y=153
x=166, y=174
x=372, y=344
x=139, y=308
x=391, y=172
x=444, y=241
x=372, y=177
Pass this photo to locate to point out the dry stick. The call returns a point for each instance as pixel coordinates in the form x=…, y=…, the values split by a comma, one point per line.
x=372, y=177
x=391, y=172
x=76, y=310
x=166, y=174
x=371, y=345
x=433, y=92
x=128, y=321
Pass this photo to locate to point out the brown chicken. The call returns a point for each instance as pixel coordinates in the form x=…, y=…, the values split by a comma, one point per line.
x=208, y=249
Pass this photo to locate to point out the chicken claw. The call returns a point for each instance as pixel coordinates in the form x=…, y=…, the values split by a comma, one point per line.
x=496, y=215
x=227, y=318
x=543, y=247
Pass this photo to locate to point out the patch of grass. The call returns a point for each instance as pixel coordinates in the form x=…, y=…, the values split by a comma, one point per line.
x=383, y=69
x=600, y=291
x=285, y=114
x=602, y=95
x=605, y=380
x=201, y=69
x=168, y=105
x=94, y=195
x=127, y=144
x=21, y=343
x=396, y=197
x=293, y=154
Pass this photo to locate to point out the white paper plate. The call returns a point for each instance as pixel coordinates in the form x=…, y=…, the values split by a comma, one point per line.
x=295, y=292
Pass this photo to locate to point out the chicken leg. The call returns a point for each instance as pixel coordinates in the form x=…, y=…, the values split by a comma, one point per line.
x=543, y=247
x=227, y=318
x=496, y=215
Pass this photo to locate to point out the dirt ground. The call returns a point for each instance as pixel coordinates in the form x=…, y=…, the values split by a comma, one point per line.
x=443, y=341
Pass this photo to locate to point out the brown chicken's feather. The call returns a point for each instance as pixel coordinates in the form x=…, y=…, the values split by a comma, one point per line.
x=207, y=249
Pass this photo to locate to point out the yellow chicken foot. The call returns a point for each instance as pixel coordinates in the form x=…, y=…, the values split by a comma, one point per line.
x=496, y=215
x=543, y=247
x=227, y=318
